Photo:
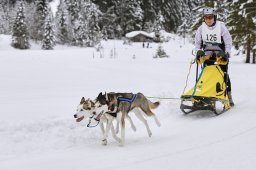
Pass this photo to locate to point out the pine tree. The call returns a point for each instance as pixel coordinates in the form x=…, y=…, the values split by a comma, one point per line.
x=40, y=15
x=30, y=14
x=130, y=16
x=160, y=53
x=189, y=17
x=242, y=25
x=20, y=36
x=2, y=18
x=48, y=39
x=104, y=34
x=149, y=16
x=249, y=14
x=80, y=37
x=73, y=7
x=108, y=16
x=158, y=26
x=92, y=14
x=7, y=15
x=120, y=16
x=172, y=13
x=63, y=25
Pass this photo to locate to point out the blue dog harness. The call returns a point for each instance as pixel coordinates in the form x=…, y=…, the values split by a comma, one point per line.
x=130, y=101
x=123, y=99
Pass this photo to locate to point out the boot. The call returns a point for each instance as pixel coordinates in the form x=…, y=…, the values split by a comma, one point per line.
x=230, y=99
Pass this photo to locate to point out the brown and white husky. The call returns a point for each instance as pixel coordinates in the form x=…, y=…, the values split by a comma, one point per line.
x=89, y=109
x=123, y=103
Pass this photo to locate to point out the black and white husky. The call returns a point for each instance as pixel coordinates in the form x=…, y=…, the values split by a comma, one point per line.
x=123, y=103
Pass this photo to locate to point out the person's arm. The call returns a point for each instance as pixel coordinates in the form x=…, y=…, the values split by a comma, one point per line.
x=227, y=38
x=198, y=38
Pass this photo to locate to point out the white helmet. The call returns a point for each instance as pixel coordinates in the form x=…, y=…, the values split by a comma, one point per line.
x=209, y=11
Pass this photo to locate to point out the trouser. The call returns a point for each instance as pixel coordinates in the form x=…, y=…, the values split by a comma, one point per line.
x=224, y=68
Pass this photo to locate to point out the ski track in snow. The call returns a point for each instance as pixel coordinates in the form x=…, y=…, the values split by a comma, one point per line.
x=40, y=136
x=171, y=154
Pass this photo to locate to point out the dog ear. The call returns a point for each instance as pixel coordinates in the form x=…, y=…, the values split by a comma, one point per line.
x=82, y=100
x=106, y=96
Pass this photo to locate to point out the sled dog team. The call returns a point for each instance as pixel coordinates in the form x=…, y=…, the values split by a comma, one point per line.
x=109, y=106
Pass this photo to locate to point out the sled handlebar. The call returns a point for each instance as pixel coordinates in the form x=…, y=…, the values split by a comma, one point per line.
x=213, y=58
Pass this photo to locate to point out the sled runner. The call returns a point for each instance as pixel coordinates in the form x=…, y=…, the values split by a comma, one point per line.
x=209, y=91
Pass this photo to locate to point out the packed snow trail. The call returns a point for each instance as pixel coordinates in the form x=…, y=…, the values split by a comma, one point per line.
x=40, y=91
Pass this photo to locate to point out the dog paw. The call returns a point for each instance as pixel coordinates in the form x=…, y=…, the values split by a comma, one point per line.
x=150, y=134
x=104, y=142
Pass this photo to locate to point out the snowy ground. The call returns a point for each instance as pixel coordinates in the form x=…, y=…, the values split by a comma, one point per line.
x=39, y=92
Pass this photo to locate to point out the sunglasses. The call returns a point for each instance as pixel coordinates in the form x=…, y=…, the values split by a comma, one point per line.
x=209, y=17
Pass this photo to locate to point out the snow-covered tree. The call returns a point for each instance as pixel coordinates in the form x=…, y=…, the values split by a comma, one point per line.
x=20, y=36
x=104, y=34
x=63, y=25
x=92, y=13
x=189, y=17
x=30, y=14
x=172, y=12
x=242, y=26
x=73, y=8
x=40, y=15
x=48, y=38
x=80, y=35
x=3, y=18
x=158, y=23
x=160, y=53
x=149, y=14
x=7, y=16
x=129, y=15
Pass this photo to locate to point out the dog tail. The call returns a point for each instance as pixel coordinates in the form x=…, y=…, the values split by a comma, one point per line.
x=153, y=105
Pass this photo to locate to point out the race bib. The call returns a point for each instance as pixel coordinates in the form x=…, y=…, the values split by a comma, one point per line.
x=211, y=36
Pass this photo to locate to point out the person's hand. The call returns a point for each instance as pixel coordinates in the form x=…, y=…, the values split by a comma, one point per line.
x=223, y=54
x=224, y=59
x=199, y=54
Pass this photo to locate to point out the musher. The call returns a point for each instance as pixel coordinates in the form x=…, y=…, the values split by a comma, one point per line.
x=214, y=33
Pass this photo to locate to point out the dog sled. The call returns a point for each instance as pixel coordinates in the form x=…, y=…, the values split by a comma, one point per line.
x=210, y=90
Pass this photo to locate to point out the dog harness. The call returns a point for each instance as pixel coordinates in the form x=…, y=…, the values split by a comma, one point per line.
x=97, y=118
x=114, y=114
x=130, y=101
x=123, y=99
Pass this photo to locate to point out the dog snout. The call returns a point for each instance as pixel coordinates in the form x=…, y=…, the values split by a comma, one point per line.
x=75, y=116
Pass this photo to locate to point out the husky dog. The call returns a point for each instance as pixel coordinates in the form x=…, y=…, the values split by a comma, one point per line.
x=123, y=103
x=89, y=109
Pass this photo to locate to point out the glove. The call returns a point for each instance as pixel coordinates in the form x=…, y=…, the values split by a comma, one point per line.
x=224, y=55
x=199, y=54
x=224, y=59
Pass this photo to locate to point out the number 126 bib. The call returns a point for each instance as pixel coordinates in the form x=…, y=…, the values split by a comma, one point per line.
x=211, y=36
